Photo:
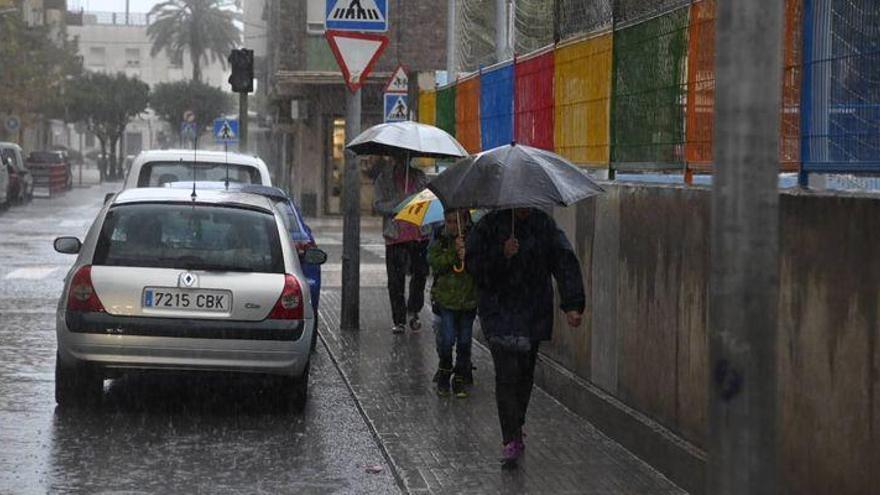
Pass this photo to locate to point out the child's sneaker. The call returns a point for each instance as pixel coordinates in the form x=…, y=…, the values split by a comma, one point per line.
x=511, y=453
x=415, y=324
x=398, y=329
x=443, y=377
x=459, y=387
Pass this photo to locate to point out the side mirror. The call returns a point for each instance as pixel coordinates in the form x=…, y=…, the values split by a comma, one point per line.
x=67, y=245
x=315, y=256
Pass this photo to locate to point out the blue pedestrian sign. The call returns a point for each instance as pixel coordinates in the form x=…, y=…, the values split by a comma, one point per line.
x=226, y=130
x=357, y=15
x=396, y=107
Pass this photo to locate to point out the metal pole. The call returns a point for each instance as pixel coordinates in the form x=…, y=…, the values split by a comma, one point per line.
x=242, y=122
x=81, y=158
x=501, y=48
x=451, y=69
x=351, y=230
x=743, y=440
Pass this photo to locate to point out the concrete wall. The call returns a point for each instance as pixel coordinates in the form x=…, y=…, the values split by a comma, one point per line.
x=645, y=257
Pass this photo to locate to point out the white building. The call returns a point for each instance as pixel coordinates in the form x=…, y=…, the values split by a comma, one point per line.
x=112, y=42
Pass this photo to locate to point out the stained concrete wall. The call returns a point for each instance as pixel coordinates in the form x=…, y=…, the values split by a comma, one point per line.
x=645, y=256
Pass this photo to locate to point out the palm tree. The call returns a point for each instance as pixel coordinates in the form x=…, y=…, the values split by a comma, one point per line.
x=206, y=28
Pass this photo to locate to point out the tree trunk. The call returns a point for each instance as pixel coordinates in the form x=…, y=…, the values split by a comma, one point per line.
x=113, y=166
x=195, y=52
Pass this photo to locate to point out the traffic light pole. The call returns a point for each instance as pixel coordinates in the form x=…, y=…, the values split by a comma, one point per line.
x=242, y=122
x=351, y=226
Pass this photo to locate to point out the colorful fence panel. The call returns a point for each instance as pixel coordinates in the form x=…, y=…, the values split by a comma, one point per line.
x=700, y=86
x=496, y=107
x=841, y=86
x=428, y=107
x=534, y=113
x=445, y=109
x=583, y=93
x=790, y=121
x=647, y=120
x=467, y=114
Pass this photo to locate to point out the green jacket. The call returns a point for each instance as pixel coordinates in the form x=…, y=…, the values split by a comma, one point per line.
x=451, y=290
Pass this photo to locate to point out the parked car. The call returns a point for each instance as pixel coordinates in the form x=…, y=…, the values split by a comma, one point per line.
x=21, y=182
x=165, y=281
x=310, y=256
x=159, y=167
x=48, y=158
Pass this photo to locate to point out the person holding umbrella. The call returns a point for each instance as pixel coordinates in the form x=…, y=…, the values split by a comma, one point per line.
x=454, y=297
x=405, y=244
x=514, y=253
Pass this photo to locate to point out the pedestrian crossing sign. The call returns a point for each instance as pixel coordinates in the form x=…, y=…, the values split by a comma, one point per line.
x=357, y=15
x=396, y=107
x=226, y=130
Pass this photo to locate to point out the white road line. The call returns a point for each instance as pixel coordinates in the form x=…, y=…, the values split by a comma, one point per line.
x=30, y=273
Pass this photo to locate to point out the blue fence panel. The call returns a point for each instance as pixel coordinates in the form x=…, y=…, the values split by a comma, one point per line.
x=496, y=106
x=840, y=126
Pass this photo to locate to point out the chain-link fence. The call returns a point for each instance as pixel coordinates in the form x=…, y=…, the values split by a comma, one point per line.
x=576, y=17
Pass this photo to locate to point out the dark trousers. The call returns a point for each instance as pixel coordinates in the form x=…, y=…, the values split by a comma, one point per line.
x=455, y=330
x=514, y=377
x=399, y=258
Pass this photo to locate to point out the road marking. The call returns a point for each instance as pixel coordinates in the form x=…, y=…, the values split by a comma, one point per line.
x=30, y=273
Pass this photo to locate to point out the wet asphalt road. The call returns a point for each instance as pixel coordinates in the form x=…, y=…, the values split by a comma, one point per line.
x=153, y=434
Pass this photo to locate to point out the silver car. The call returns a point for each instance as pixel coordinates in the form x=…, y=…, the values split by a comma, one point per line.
x=166, y=280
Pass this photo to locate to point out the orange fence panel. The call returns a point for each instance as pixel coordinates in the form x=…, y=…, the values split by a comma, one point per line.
x=467, y=114
x=700, y=121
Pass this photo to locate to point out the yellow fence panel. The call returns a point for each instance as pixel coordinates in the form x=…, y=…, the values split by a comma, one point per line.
x=583, y=101
x=428, y=107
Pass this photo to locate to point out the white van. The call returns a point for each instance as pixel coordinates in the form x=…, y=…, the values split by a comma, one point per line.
x=155, y=168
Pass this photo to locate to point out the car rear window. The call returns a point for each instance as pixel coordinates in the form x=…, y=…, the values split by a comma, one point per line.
x=190, y=237
x=291, y=222
x=45, y=157
x=157, y=174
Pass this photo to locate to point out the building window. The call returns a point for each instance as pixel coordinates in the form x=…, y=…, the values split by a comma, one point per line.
x=315, y=16
x=133, y=57
x=97, y=56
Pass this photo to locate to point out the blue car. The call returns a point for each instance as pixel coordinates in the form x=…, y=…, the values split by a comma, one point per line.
x=310, y=257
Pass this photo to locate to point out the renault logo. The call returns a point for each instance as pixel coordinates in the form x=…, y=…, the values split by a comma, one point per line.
x=187, y=279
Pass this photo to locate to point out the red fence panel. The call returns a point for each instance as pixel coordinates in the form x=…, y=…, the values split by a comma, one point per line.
x=534, y=101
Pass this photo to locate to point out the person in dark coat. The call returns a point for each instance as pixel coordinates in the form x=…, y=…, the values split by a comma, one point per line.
x=513, y=254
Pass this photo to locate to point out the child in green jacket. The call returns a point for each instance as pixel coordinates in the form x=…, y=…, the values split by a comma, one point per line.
x=454, y=295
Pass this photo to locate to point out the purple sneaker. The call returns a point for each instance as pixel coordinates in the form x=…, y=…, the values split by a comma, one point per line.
x=512, y=451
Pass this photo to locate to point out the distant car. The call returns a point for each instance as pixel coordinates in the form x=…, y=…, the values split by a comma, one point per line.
x=21, y=182
x=155, y=168
x=5, y=192
x=300, y=233
x=164, y=281
x=46, y=158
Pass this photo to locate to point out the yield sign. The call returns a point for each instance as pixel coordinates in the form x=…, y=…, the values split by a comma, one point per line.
x=356, y=53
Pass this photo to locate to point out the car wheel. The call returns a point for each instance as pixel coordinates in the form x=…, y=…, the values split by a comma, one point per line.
x=77, y=386
x=295, y=391
x=314, y=344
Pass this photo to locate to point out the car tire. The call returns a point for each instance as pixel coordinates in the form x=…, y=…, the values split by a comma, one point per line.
x=77, y=386
x=295, y=391
x=314, y=343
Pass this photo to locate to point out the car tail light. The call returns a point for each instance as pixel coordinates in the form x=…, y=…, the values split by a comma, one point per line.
x=82, y=295
x=290, y=304
x=303, y=246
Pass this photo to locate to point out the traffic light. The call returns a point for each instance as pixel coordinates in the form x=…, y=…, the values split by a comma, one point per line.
x=242, y=77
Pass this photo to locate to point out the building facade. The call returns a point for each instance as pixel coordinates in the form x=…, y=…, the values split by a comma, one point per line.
x=114, y=42
x=306, y=93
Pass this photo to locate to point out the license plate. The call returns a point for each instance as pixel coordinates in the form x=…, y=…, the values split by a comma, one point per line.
x=188, y=300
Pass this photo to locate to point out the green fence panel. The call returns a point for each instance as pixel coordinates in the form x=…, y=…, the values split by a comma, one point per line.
x=648, y=102
x=446, y=109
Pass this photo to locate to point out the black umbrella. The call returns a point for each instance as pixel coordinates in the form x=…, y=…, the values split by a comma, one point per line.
x=513, y=176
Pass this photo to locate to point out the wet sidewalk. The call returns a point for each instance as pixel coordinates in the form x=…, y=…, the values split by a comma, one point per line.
x=450, y=445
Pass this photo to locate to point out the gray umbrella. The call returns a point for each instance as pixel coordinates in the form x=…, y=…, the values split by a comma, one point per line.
x=513, y=176
x=407, y=138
